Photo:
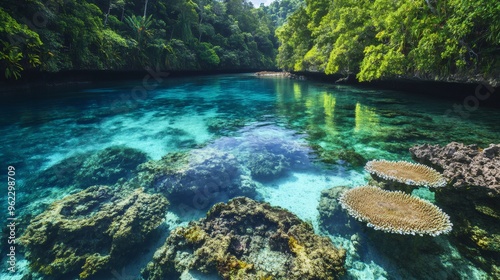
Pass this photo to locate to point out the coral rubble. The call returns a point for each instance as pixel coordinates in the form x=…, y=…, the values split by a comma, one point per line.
x=91, y=231
x=245, y=239
x=472, y=199
x=405, y=175
x=395, y=211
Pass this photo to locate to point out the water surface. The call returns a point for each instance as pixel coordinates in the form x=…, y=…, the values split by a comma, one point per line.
x=341, y=126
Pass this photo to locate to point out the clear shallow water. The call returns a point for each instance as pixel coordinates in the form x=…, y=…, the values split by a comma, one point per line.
x=186, y=114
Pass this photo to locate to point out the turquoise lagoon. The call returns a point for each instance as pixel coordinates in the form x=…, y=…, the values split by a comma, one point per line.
x=341, y=126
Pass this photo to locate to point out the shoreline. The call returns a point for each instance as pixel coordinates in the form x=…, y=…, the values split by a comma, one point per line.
x=467, y=94
x=38, y=84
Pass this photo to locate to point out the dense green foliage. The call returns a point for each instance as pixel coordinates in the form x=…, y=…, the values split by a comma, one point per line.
x=56, y=35
x=280, y=10
x=429, y=39
x=373, y=39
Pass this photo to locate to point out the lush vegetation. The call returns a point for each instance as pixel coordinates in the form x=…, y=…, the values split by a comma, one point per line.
x=55, y=35
x=373, y=39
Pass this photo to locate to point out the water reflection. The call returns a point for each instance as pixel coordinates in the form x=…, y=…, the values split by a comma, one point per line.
x=329, y=102
x=366, y=118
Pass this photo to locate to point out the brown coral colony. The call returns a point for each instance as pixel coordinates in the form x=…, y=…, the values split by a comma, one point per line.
x=395, y=212
x=412, y=174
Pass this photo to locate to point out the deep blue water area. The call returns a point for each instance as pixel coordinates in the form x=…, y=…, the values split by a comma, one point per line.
x=333, y=129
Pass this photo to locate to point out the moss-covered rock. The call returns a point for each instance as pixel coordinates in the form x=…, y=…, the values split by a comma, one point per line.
x=91, y=231
x=245, y=239
x=105, y=167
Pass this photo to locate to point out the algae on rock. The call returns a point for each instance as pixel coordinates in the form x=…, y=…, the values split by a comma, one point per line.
x=91, y=231
x=245, y=239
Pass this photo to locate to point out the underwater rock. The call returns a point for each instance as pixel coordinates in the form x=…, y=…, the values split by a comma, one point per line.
x=109, y=165
x=334, y=156
x=245, y=239
x=267, y=151
x=91, y=231
x=472, y=199
x=464, y=165
x=331, y=216
x=105, y=167
x=197, y=176
x=422, y=257
x=224, y=126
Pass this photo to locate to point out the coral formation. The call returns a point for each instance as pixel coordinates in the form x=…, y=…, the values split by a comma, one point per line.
x=464, y=165
x=407, y=174
x=331, y=217
x=472, y=199
x=267, y=151
x=108, y=166
x=334, y=156
x=198, y=176
x=224, y=126
x=395, y=212
x=413, y=257
x=105, y=167
x=245, y=239
x=90, y=231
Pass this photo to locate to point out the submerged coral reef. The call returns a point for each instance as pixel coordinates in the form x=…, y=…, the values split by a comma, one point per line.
x=91, y=231
x=404, y=175
x=339, y=156
x=268, y=151
x=395, y=211
x=198, y=176
x=105, y=167
x=404, y=256
x=245, y=239
x=472, y=199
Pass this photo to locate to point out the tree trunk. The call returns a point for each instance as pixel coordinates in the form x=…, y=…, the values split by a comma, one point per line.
x=145, y=8
x=107, y=14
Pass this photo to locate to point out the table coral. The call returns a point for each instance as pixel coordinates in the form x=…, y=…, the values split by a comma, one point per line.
x=91, y=231
x=404, y=175
x=395, y=211
x=245, y=239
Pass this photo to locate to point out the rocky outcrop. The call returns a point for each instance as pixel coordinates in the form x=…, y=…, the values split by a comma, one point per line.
x=91, y=231
x=472, y=198
x=464, y=165
x=245, y=239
